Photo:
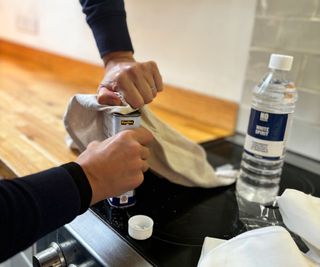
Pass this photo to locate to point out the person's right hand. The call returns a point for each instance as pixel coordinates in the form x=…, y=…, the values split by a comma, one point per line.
x=116, y=165
x=138, y=82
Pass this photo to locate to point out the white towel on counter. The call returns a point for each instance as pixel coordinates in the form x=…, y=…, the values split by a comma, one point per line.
x=301, y=214
x=172, y=156
x=265, y=247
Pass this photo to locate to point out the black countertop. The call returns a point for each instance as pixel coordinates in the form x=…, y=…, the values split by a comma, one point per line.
x=184, y=216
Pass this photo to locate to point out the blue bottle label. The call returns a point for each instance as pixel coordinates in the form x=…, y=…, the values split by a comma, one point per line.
x=125, y=200
x=266, y=135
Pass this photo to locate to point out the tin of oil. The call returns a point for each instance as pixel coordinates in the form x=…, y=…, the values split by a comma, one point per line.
x=114, y=124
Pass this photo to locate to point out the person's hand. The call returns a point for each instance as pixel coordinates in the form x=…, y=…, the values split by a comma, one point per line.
x=116, y=165
x=137, y=82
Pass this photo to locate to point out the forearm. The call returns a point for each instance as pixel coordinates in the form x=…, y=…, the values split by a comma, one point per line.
x=35, y=205
x=107, y=19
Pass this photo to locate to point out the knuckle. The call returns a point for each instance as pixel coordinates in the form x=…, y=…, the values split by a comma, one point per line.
x=139, y=180
x=126, y=134
x=149, y=97
x=145, y=66
x=160, y=78
x=122, y=77
x=135, y=149
x=137, y=103
x=152, y=64
x=134, y=71
x=148, y=100
x=148, y=153
x=129, y=138
x=145, y=167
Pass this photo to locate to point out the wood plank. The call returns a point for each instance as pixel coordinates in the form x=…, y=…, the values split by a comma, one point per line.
x=5, y=172
x=192, y=129
x=206, y=109
x=37, y=127
x=18, y=155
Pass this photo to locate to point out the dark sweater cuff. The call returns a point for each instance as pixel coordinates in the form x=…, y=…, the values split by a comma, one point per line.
x=111, y=34
x=83, y=185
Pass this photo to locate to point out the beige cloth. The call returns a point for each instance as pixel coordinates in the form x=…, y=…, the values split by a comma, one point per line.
x=172, y=155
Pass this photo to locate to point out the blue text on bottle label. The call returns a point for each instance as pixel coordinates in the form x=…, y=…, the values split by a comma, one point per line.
x=266, y=135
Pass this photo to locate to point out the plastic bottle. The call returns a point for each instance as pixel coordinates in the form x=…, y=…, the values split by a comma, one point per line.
x=273, y=103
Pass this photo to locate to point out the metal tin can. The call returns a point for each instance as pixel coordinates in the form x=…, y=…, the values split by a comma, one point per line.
x=125, y=200
x=113, y=124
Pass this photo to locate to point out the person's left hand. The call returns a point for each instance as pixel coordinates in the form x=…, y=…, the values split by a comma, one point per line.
x=137, y=82
x=116, y=165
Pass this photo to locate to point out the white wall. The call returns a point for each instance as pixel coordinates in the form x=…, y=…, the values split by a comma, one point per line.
x=61, y=27
x=201, y=45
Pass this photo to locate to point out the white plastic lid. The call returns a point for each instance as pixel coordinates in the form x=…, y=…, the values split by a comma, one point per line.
x=140, y=227
x=280, y=62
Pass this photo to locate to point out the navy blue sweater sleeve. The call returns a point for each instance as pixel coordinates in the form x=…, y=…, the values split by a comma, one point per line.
x=35, y=205
x=107, y=20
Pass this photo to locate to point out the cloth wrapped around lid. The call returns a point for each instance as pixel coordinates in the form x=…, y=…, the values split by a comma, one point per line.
x=172, y=156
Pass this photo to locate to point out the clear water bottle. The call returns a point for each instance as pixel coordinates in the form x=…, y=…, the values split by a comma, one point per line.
x=273, y=103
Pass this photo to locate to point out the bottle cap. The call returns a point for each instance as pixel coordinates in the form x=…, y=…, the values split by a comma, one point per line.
x=280, y=62
x=140, y=227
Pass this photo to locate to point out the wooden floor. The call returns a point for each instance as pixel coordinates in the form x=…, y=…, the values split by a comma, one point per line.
x=33, y=98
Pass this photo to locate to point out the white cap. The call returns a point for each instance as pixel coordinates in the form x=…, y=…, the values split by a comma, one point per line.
x=140, y=227
x=280, y=62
